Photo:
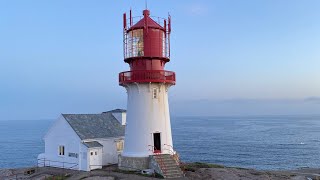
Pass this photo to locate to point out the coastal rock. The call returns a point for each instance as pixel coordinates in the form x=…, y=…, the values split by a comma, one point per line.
x=235, y=174
x=6, y=173
x=100, y=178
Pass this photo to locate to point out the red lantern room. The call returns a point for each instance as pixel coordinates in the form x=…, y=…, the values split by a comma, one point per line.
x=146, y=49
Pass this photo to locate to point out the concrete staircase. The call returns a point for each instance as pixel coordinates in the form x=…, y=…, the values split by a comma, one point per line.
x=168, y=166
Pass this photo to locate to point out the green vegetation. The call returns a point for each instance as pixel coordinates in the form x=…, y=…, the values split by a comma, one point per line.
x=125, y=172
x=56, y=178
x=240, y=168
x=196, y=165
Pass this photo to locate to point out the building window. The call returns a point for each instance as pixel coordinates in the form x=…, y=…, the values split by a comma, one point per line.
x=61, y=150
x=75, y=155
x=96, y=153
x=155, y=93
x=119, y=146
x=91, y=153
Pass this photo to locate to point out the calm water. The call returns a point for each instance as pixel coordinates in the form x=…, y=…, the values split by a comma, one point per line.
x=282, y=142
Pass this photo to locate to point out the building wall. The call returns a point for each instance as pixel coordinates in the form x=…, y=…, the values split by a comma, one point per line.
x=83, y=158
x=124, y=118
x=147, y=115
x=61, y=134
x=109, y=151
x=121, y=117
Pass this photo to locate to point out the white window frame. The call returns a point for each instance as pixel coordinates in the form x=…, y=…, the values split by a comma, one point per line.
x=61, y=150
x=119, y=146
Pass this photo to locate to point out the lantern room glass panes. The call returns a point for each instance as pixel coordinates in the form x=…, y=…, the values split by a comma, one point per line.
x=135, y=43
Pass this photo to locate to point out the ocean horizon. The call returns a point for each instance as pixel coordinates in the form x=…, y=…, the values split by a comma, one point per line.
x=260, y=142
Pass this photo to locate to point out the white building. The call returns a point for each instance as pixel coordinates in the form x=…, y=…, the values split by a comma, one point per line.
x=84, y=141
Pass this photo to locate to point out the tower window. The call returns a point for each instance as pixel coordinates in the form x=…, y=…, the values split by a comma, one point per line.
x=61, y=150
x=155, y=93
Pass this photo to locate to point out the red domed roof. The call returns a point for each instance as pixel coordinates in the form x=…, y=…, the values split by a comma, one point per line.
x=146, y=20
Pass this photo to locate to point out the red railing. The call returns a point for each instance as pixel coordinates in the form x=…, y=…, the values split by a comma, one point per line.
x=147, y=76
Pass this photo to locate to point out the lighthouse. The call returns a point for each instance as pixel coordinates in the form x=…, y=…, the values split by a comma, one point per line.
x=146, y=50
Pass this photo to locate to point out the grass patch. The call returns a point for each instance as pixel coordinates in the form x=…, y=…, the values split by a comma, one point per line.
x=240, y=168
x=56, y=178
x=125, y=172
x=197, y=165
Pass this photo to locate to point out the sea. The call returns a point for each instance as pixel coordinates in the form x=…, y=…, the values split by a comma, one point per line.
x=260, y=142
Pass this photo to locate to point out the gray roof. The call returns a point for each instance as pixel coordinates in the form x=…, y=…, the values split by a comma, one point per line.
x=92, y=144
x=91, y=126
x=116, y=111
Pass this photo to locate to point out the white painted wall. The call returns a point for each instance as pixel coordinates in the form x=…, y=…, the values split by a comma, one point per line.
x=121, y=117
x=109, y=151
x=145, y=116
x=83, y=158
x=62, y=134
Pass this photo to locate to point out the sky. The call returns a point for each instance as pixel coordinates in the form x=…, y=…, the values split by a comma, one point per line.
x=231, y=57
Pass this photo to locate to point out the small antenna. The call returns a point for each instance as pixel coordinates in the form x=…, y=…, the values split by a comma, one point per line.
x=146, y=4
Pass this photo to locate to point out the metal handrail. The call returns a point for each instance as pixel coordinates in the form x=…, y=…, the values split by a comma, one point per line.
x=161, y=76
x=44, y=160
x=174, y=154
x=170, y=147
x=153, y=149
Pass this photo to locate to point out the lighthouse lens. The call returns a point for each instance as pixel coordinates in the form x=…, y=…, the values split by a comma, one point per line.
x=135, y=44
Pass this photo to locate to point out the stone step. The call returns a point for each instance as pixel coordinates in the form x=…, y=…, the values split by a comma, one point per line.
x=170, y=167
x=168, y=162
x=165, y=159
x=163, y=155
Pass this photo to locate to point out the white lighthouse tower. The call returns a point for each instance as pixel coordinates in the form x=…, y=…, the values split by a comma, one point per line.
x=148, y=128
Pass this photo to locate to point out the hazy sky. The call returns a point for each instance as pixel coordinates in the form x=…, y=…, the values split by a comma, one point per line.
x=64, y=56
